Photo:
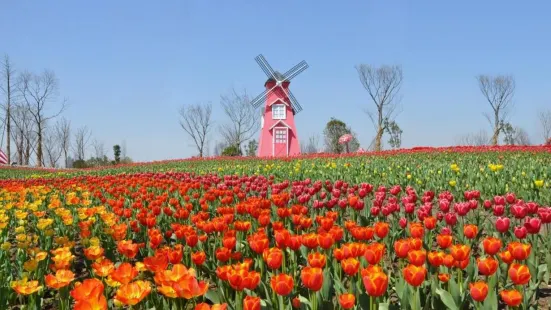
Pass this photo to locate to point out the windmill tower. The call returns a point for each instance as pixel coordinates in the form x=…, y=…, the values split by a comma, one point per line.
x=278, y=133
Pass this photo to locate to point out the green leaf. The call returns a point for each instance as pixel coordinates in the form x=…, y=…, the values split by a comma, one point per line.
x=447, y=299
x=304, y=300
x=384, y=306
x=543, y=273
x=213, y=296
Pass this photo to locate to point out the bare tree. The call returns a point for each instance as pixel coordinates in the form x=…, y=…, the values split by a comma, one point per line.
x=82, y=137
x=37, y=92
x=24, y=134
x=99, y=149
x=219, y=147
x=311, y=146
x=63, y=134
x=499, y=92
x=545, y=123
x=522, y=137
x=479, y=138
x=383, y=85
x=244, y=120
x=8, y=88
x=51, y=148
x=196, y=121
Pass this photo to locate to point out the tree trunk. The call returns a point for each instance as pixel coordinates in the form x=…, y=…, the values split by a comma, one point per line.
x=39, y=147
x=495, y=137
x=27, y=152
x=8, y=121
x=378, y=138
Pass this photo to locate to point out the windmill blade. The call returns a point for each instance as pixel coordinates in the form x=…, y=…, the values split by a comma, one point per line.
x=265, y=66
x=294, y=71
x=256, y=102
x=294, y=102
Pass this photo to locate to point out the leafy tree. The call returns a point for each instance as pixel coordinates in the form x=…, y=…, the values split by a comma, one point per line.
x=252, y=147
x=232, y=150
x=117, y=153
x=395, y=133
x=333, y=131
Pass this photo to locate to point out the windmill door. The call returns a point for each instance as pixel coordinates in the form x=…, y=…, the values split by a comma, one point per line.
x=281, y=141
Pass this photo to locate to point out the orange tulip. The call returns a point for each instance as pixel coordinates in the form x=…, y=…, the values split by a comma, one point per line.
x=519, y=274
x=175, y=255
x=128, y=248
x=381, y=229
x=375, y=283
x=24, y=287
x=491, y=245
x=417, y=257
x=512, y=298
x=430, y=222
x=103, y=267
x=487, y=266
x=414, y=275
x=519, y=251
x=124, y=273
x=202, y=306
x=273, y=257
x=198, y=258
x=93, y=252
x=325, y=240
x=180, y=282
x=61, y=279
x=416, y=230
x=89, y=295
x=470, y=231
x=132, y=293
x=251, y=303
x=347, y=301
x=401, y=248
x=462, y=264
x=350, y=266
x=317, y=259
x=506, y=257
x=436, y=259
x=444, y=241
x=312, y=278
x=415, y=243
x=282, y=284
x=241, y=279
x=460, y=252
x=374, y=253
x=443, y=277
x=156, y=263
x=479, y=291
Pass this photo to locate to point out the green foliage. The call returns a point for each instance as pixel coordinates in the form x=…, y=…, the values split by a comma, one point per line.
x=252, y=147
x=333, y=131
x=80, y=164
x=232, y=150
x=395, y=133
x=117, y=153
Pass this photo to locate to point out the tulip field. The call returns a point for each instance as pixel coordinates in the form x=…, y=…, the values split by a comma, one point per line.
x=426, y=228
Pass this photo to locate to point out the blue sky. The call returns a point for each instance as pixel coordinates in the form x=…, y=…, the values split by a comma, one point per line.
x=127, y=66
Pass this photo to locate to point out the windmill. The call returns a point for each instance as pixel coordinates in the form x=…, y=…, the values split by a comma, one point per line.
x=278, y=135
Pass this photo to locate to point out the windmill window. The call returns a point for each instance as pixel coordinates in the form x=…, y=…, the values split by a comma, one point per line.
x=278, y=111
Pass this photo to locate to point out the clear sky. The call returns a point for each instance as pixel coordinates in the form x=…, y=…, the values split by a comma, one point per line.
x=127, y=66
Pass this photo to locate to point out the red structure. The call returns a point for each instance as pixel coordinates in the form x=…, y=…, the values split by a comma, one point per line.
x=278, y=133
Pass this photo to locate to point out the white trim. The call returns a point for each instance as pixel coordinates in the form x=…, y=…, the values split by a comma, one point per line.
x=279, y=105
x=286, y=140
x=279, y=99
x=280, y=121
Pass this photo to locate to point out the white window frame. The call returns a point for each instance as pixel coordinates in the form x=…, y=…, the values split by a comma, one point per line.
x=282, y=106
x=275, y=129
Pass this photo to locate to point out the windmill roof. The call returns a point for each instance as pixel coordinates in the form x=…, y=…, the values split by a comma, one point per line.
x=278, y=76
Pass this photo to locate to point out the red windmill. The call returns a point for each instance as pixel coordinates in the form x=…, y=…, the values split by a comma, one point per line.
x=278, y=134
